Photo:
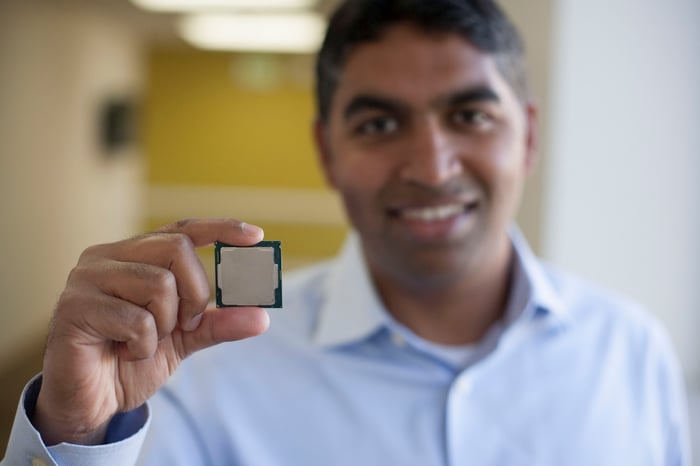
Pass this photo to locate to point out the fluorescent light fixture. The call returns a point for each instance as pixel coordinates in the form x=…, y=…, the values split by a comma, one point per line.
x=291, y=33
x=174, y=6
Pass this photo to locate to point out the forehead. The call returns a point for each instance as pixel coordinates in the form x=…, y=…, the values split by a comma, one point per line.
x=417, y=67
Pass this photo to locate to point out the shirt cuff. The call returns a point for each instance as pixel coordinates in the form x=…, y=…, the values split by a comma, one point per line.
x=125, y=435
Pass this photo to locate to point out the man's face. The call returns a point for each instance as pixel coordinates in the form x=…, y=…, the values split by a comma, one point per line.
x=429, y=147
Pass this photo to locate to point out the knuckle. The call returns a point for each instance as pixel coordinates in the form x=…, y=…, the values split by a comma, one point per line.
x=142, y=325
x=201, y=295
x=180, y=241
x=70, y=299
x=183, y=223
x=79, y=273
x=89, y=253
x=139, y=349
x=164, y=282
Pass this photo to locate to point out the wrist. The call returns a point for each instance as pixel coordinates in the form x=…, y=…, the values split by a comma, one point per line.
x=56, y=426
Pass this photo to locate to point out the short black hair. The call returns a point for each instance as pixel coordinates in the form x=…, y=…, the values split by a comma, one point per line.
x=480, y=22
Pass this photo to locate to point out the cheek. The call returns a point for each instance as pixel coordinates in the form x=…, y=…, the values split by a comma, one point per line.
x=500, y=167
x=360, y=174
x=508, y=151
x=361, y=208
x=359, y=183
x=509, y=173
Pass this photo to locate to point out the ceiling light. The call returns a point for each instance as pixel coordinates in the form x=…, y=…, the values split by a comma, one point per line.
x=296, y=33
x=209, y=5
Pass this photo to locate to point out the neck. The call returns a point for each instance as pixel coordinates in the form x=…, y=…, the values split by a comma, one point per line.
x=459, y=311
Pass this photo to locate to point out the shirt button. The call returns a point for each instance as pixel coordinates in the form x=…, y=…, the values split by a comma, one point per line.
x=398, y=340
x=38, y=462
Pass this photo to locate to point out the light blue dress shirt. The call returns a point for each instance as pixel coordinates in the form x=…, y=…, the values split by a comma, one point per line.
x=572, y=375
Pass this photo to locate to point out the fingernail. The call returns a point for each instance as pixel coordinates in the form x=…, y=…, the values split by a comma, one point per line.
x=193, y=324
x=251, y=230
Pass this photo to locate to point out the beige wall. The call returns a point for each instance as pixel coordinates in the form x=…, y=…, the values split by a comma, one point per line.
x=624, y=195
x=58, y=194
x=534, y=20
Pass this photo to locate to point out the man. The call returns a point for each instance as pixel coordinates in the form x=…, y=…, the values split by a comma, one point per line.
x=434, y=338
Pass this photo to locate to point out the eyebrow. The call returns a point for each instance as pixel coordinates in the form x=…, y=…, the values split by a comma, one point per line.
x=474, y=94
x=364, y=102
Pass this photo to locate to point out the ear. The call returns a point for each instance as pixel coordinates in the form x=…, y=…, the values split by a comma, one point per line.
x=531, y=136
x=325, y=158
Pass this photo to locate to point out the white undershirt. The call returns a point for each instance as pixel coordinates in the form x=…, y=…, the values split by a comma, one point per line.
x=462, y=356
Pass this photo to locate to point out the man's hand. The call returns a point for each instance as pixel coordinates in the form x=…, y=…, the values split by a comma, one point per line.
x=130, y=313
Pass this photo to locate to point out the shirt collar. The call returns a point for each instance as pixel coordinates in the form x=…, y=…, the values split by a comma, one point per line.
x=351, y=309
x=532, y=288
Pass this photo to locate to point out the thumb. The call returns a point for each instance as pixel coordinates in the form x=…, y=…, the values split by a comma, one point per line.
x=225, y=324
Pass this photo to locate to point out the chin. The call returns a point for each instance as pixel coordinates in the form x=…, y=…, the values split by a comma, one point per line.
x=430, y=268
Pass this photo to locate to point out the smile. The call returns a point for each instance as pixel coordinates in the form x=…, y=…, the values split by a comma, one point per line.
x=432, y=213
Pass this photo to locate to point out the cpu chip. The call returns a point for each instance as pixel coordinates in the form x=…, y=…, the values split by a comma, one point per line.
x=248, y=275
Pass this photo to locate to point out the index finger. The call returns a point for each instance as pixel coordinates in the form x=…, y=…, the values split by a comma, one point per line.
x=205, y=231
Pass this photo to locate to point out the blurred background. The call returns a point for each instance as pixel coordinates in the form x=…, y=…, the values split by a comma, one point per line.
x=117, y=117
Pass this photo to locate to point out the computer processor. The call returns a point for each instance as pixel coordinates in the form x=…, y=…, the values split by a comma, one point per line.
x=248, y=275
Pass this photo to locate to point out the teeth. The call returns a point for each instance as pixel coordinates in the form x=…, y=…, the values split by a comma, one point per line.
x=433, y=214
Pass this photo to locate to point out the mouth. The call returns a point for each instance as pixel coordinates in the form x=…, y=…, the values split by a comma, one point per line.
x=435, y=213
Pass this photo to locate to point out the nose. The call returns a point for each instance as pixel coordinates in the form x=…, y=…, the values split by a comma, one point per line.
x=431, y=157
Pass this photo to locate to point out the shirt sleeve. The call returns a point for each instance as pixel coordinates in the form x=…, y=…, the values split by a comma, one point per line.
x=125, y=436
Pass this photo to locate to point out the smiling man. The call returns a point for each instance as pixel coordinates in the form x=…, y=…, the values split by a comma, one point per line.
x=435, y=337
x=429, y=147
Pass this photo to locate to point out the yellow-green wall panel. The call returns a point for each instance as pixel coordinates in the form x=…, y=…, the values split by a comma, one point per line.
x=201, y=127
x=298, y=240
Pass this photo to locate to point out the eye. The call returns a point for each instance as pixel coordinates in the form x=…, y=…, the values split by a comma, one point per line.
x=471, y=117
x=378, y=126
